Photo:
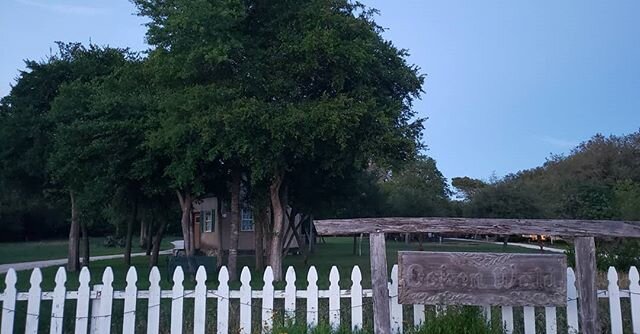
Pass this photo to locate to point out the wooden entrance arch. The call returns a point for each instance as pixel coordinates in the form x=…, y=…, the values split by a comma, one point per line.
x=582, y=232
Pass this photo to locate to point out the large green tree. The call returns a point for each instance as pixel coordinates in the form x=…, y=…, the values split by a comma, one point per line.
x=285, y=83
x=417, y=190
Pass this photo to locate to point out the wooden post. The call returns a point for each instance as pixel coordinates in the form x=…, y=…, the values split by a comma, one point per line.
x=585, y=248
x=379, y=284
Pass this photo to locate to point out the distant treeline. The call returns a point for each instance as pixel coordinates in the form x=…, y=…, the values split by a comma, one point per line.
x=599, y=179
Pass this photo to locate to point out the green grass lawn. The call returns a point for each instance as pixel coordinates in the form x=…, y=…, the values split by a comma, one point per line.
x=335, y=252
x=13, y=252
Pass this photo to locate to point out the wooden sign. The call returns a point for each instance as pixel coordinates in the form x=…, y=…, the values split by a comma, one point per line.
x=452, y=278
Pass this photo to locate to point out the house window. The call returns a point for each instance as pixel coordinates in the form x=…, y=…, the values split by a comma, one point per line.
x=209, y=221
x=247, y=220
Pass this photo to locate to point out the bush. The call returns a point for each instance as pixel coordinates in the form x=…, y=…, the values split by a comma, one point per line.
x=111, y=241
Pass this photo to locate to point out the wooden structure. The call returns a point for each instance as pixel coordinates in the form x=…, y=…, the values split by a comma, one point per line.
x=583, y=231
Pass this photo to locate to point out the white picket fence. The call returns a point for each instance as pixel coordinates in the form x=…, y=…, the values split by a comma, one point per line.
x=94, y=306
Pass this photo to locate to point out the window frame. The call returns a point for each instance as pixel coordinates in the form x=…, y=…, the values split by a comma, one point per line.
x=212, y=215
x=243, y=219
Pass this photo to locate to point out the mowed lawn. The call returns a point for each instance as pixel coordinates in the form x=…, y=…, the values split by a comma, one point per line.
x=335, y=252
x=14, y=252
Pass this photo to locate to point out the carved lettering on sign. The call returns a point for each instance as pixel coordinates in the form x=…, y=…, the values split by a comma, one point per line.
x=482, y=278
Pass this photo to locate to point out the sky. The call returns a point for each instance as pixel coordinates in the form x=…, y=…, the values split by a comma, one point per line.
x=508, y=83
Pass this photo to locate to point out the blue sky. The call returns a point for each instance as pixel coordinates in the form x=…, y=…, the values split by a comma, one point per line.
x=508, y=82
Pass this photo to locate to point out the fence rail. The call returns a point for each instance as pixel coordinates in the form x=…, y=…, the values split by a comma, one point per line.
x=94, y=305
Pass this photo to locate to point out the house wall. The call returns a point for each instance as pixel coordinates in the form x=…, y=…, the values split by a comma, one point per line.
x=222, y=230
x=208, y=240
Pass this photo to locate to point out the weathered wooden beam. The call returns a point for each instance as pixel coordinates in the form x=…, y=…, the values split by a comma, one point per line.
x=550, y=227
x=379, y=281
x=586, y=283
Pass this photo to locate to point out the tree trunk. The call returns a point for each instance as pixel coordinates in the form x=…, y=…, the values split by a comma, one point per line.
x=185, y=206
x=85, y=243
x=149, y=241
x=144, y=238
x=275, y=256
x=232, y=260
x=157, y=240
x=355, y=240
x=268, y=236
x=261, y=218
x=505, y=242
x=73, y=261
x=129, y=238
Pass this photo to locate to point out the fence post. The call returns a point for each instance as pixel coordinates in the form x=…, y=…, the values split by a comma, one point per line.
x=585, y=248
x=379, y=281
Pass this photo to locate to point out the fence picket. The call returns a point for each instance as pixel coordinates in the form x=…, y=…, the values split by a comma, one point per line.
x=529, y=320
x=418, y=315
x=9, y=302
x=290, y=295
x=33, y=304
x=223, y=301
x=95, y=308
x=551, y=326
x=82, y=304
x=356, y=298
x=507, y=319
x=486, y=312
x=106, y=302
x=57, y=305
x=614, y=301
x=334, y=298
x=634, y=292
x=130, y=298
x=572, y=302
x=200, y=302
x=245, y=301
x=394, y=307
x=312, y=297
x=153, y=306
x=177, y=301
x=267, y=298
